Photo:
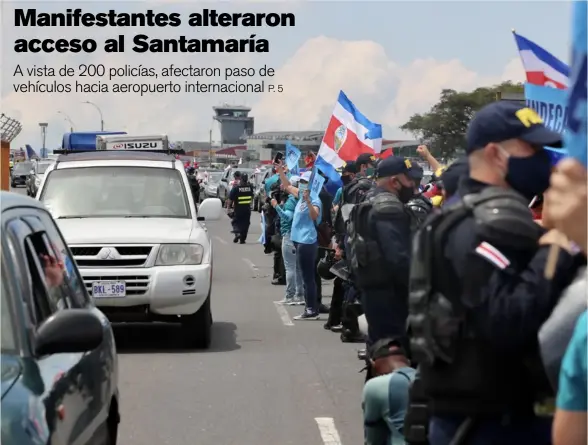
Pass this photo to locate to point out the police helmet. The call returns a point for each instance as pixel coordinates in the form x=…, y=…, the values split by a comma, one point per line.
x=244, y=178
x=190, y=170
x=324, y=267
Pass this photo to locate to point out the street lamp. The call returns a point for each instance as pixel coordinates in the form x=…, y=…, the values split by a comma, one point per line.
x=43, y=126
x=68, y=119
x=99, y=111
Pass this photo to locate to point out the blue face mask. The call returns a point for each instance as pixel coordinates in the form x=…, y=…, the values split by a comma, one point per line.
x=302, y=187
x=529, y=176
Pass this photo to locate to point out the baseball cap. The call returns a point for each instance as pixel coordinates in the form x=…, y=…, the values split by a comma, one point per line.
x=453, y=174
x=392, y=166
x=416, y=172
x=365, y=158
x=294, y=180
x=350, y=167
x=306, y=176
x=500, y=121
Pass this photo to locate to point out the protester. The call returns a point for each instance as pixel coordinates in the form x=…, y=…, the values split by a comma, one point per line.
x=307, y=216
x=385, y=396
x=570, y=423
x=294, y=282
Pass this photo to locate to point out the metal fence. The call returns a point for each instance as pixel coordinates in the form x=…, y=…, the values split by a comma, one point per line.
x=9, y=128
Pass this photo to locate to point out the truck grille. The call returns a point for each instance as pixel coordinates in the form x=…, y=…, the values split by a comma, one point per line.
x=111, y=256
x=136, y=285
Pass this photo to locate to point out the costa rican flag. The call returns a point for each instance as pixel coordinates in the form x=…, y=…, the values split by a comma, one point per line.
x=348, y=135
x=542, y=67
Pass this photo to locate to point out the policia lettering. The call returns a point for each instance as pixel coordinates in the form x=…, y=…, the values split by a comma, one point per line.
x=241, y=196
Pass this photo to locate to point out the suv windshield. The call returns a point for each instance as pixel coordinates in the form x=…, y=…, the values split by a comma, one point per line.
x=7, y=340
x=102, y=192
x=42, y=168
x=23, y=168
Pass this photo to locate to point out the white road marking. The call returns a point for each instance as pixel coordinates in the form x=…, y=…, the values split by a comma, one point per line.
x=250, y=264
x=329, y=432
x=283, y=313
x=220, y=240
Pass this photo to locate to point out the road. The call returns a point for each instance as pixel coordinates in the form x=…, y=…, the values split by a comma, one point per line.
x=265, y=380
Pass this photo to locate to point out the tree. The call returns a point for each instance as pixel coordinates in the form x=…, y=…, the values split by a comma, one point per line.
x=444, y=126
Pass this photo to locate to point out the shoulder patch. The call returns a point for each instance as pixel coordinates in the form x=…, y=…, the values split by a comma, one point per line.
x=493, y=255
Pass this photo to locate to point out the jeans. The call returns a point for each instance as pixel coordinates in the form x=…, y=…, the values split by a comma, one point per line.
x=294, y=282
x=306, y=261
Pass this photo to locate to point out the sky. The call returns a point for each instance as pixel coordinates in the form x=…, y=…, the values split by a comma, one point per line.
x=392, y=59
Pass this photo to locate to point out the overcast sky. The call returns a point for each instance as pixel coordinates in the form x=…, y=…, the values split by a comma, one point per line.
x=391, y=58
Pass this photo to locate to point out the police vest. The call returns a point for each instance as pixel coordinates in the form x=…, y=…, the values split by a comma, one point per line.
x=356, y=191
x=366, y=258
x=419, y=209
x=244, y=196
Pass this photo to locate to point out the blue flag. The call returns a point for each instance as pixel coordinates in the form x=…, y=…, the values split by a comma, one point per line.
x=262, y=237
x=292, y=157
x=575, y=134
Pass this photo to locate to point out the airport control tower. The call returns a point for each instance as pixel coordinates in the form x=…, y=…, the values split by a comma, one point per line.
x=234, y=122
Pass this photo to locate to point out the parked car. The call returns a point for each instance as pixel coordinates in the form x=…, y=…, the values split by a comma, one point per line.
x=20, y=173
x=58, y=355
x=36, y=176
x=211, y=184
x=228, y=179
x=137, y=236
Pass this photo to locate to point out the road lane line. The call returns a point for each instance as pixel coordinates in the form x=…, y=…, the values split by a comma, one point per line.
x=250, y=263
x=220, y=240
x=283, y=313
x=329, y=432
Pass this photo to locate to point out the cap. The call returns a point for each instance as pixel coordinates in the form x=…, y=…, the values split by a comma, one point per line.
x=350, y=167
x=385, y=348
x=500, y=121
x=453, y=174
x=392, y=166
x=306, y=175
x=294, y=180
x=416, y=172
x=365, y=158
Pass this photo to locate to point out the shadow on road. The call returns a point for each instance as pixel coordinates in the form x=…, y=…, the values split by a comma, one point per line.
x=164, y=338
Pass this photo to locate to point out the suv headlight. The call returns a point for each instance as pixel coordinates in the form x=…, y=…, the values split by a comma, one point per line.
x=179, y=254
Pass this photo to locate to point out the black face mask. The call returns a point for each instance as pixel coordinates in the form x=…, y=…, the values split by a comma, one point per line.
x=405, y=193
x=346, y=179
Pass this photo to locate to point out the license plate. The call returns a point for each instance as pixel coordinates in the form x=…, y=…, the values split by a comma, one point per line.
x=109, y=289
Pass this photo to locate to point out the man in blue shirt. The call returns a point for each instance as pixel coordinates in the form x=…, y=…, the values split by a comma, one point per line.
x=570, y=418
x=386, y=396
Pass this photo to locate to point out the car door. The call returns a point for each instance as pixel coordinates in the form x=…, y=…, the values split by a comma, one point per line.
x=224, y=184
x=96, y=373
x=64, y=398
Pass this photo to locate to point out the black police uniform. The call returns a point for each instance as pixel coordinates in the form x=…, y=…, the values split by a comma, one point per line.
x=242, y=196
x=478, y=289
x=194, y=184
x=379, y=251
x=420, y=207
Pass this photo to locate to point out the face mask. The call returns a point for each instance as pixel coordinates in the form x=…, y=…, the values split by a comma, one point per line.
x=369, y=171
x=302, y=187
x=345, y=179
x=529, y=176
x=405, y=193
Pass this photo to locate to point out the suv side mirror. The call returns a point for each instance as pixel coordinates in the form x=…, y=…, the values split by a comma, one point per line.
x=69, y=331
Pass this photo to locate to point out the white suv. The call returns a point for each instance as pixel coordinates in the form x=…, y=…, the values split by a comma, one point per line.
x=132, y=225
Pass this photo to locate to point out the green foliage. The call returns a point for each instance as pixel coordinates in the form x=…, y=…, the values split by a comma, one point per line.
x=443, y=128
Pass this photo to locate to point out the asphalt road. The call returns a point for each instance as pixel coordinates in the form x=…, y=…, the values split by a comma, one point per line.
x=265, y=380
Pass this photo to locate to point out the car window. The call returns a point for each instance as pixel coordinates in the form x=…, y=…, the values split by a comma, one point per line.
x=46, y=273
x=73, y=282
x=129, y=192
x=23, y=168
x=7, y=333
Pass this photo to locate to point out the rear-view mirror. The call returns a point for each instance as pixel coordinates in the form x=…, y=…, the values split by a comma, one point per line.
x=69, y=331
x=210, y=209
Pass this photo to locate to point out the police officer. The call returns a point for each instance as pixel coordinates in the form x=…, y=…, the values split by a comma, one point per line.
x=478, y=290
x=379, y=233
x=362, y=181
x=241, y=197
x=194, y=183
x=419, y=206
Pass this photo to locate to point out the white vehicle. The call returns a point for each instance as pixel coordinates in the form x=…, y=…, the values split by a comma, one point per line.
x=133, y=228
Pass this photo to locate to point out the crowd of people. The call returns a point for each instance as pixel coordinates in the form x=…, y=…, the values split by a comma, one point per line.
x=473, y=286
